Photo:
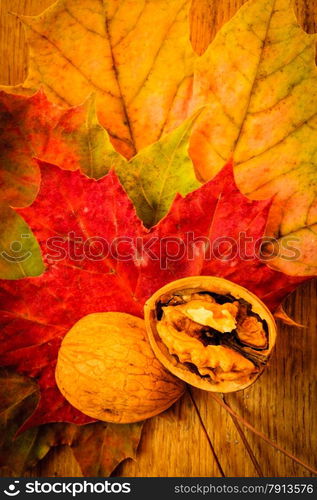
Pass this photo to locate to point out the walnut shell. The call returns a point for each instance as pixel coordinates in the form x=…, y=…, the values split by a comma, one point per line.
x=179, y=352
x=107, y=369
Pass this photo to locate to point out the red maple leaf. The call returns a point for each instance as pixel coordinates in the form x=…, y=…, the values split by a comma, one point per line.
x=35, y=127
x=100, y=257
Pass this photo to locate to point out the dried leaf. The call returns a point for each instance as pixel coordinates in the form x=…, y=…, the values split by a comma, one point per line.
x=82, y=217
x=98, y=448
x=79, y=141
x=141, y=76
x=20, y=254
x=282, y=315
x=260, y=80
x=155, y=175
x=18, y=399
x=34, y=127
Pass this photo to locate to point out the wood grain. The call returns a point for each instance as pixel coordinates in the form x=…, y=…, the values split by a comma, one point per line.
x=281, y=404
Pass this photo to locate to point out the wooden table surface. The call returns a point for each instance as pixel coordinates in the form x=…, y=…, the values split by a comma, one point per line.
x=282, y=404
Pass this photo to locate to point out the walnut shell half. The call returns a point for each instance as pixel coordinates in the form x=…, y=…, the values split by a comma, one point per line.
x=210, y=332
x=107, y=369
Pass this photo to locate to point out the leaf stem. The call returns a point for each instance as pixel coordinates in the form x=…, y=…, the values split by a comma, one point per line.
x=261, y=435
x=246, y=443
x=206, y=434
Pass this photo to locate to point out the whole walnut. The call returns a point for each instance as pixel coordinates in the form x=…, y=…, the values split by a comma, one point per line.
x=107, y=369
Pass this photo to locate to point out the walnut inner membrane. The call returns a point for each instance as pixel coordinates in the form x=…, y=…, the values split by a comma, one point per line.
x=217, y=336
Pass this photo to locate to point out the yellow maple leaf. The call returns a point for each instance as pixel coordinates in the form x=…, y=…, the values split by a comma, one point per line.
x=135, y=56
x=260, y=80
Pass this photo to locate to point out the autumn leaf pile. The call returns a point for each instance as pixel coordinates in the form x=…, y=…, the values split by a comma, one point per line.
x=121, y=131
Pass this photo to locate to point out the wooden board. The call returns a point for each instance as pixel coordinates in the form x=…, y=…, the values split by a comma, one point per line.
x=282, y=404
